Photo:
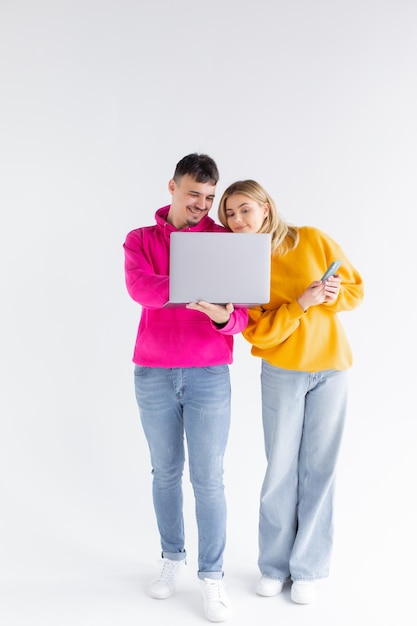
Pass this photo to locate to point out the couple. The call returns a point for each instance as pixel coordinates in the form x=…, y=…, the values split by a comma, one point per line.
x=182, y=386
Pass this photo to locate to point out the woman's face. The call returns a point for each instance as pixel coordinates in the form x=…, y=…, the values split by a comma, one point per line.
x=245, y=215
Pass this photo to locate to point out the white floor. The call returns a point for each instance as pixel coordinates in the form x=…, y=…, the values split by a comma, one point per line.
x=115, y=593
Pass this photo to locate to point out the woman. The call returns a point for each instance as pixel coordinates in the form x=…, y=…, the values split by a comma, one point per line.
x=305, y=355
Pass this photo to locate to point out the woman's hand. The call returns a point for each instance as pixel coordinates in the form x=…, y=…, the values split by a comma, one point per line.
x=218, y=313
x=319, y=292
x=332, y=288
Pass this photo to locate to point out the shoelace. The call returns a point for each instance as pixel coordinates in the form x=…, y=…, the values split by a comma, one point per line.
x=168, y=570
x=214, y=589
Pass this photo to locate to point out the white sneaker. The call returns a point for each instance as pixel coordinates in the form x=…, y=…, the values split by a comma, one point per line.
x=303, y=591
x=269, y=586
x=216, y=603
x=163, y=586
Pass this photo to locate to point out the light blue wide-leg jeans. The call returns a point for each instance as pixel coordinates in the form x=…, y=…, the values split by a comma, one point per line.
x=194, y=402
x=303, y=418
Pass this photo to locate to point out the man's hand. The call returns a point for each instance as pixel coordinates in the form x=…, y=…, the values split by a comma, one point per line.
x=218, y=313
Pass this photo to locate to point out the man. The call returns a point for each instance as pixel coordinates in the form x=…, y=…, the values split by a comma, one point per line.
x=182, y=385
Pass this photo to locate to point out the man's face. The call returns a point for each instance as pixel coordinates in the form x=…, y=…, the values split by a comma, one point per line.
x=191, y=201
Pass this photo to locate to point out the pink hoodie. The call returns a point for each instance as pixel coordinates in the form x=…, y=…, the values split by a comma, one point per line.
x=172, y=337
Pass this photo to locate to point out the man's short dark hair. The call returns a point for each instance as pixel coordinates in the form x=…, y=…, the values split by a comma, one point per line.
x=200, y=166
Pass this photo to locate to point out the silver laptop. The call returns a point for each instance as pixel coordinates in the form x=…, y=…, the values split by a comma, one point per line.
x=220, y=267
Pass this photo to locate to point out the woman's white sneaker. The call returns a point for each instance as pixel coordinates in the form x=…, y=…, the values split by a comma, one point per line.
x=269, y=587
x=303, y=591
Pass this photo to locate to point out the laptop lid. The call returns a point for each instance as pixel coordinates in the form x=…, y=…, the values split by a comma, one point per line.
x=220, y=267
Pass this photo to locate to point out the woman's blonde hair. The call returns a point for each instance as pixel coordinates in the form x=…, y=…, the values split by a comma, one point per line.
x=284, y=236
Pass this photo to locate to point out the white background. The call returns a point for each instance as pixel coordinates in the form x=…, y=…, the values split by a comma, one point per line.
x=317, y=100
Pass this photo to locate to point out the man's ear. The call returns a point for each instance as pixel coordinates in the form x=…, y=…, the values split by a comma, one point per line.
x=171, y=186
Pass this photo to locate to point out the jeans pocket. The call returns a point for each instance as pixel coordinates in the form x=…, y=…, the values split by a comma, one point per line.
x=217, y=369
x=140, y=370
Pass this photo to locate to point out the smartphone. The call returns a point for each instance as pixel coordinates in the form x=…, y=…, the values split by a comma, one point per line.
x=332, y=269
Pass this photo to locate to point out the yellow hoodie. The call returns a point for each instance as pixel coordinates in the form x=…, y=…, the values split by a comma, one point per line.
x=281, y=332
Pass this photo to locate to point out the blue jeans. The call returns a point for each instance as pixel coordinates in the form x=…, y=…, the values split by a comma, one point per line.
x=303, y=418
x=195, y=402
